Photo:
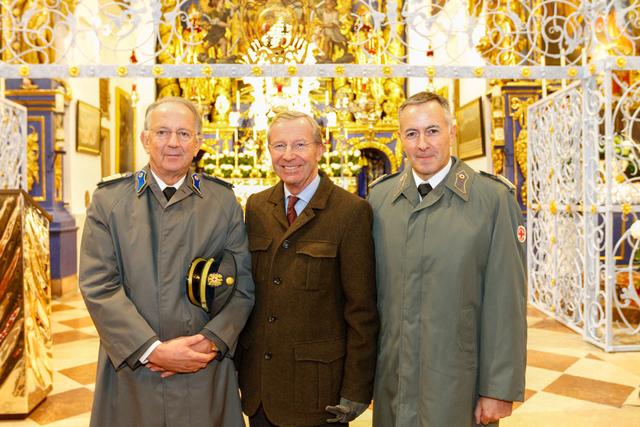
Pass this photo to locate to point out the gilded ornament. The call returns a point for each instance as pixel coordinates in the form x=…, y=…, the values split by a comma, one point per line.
x=292, y=70
x=592, y=69
x=620, y=178
x=386, y=70
x=340, y=70
x=553, y=242
x=74, y=71
x=157, y=70
x=594, y=209
x=567, y=208
x=256, y=71
x=33, y=155
x=621, y=61
x=626, y=208
x=525, y=72
x=572, y=72
x=122, y=71
x=431, y=71
x=230, y=281
x=206, y=70
x=553, y=208
x=553, y=282
x=478, y=71
x=24, y=70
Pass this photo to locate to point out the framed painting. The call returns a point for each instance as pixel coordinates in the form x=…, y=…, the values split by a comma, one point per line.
x=471, y=130
x=88, y=128
x=125, y=133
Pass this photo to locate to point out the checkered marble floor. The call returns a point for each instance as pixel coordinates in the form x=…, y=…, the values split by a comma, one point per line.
x=569, y=382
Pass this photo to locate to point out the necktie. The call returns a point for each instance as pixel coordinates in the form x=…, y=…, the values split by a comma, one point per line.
x=169, y=192
x=291, y=212
x=424, y=189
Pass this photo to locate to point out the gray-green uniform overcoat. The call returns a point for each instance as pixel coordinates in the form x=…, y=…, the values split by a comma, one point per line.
x=136, y=248
x=451, y=297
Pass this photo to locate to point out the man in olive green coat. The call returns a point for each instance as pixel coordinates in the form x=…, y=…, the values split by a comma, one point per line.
x=450, y=256
x=162, y=360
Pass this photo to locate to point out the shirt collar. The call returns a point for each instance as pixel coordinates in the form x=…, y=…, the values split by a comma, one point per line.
x=436, y=179
x=308, y=192
x=163, y=185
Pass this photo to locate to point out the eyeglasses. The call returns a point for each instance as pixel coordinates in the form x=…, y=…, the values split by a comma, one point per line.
x=296, y=147
x=163, y=134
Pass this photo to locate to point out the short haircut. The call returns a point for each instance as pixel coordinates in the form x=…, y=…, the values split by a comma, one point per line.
x=179, y=100
x=292, y=115
x=424, y=97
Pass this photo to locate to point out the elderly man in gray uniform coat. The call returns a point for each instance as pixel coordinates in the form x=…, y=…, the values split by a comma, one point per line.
x=162, y=360
x=450, y=258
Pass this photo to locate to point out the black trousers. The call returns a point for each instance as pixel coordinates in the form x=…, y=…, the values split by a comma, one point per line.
x=259, y=419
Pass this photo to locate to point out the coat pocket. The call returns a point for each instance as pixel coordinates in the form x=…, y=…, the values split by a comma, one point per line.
x=258, y=246
x=318, y=373
x=318, y=259
x=467, y=335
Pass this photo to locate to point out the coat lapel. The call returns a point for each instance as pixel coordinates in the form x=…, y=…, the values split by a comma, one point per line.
x=276, y=198
x=406, y=187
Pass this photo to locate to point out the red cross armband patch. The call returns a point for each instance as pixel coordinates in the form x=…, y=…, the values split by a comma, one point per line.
x=521, y=232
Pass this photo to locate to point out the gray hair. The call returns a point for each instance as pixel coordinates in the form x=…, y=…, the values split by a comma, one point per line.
x=424, y=97
x=292, y=115
x=179, y=100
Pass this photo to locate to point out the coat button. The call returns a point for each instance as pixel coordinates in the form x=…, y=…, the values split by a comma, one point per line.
x=285, y=244
x=276, y=280
x=272, y=318
x=267, y=355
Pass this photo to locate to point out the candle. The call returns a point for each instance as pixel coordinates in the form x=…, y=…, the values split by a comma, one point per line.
x=254, y=134
x=326, y=98
x=217, y=134
x=326, y=134
x=346, y=134
x=238, y=100
x=563, y=62
x=235, y=135
x=544, y=80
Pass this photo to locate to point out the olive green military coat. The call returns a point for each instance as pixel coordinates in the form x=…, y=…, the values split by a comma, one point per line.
x=451, y=297
x=311, y=338
x=136, y=248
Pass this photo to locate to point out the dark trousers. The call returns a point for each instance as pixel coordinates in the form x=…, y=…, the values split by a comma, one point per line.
x=259, y=419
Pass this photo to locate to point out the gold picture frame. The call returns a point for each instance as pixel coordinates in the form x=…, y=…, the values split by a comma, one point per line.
x=125, y=132
x=88, y=128
x=471, y=132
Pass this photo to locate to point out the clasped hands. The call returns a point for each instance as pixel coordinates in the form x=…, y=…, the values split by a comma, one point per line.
x=182, y=355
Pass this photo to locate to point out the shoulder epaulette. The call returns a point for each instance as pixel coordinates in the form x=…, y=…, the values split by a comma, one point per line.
x=501, y=179
x=114, y=178
x=218, y=180
x=379, y=179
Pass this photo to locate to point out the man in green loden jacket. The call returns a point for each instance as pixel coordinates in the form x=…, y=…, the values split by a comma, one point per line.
x=450, y=255
x=162, y=360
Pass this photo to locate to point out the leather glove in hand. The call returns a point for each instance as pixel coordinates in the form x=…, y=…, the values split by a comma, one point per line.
x=346, y=411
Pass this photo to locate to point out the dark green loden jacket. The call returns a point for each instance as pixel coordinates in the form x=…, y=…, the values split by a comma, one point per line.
x=311, y=338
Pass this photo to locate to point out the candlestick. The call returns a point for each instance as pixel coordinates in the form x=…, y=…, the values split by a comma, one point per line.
x=254, y=134
x=326, y=134
x=544, y=80
x=563, y=62
x=235, y=136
